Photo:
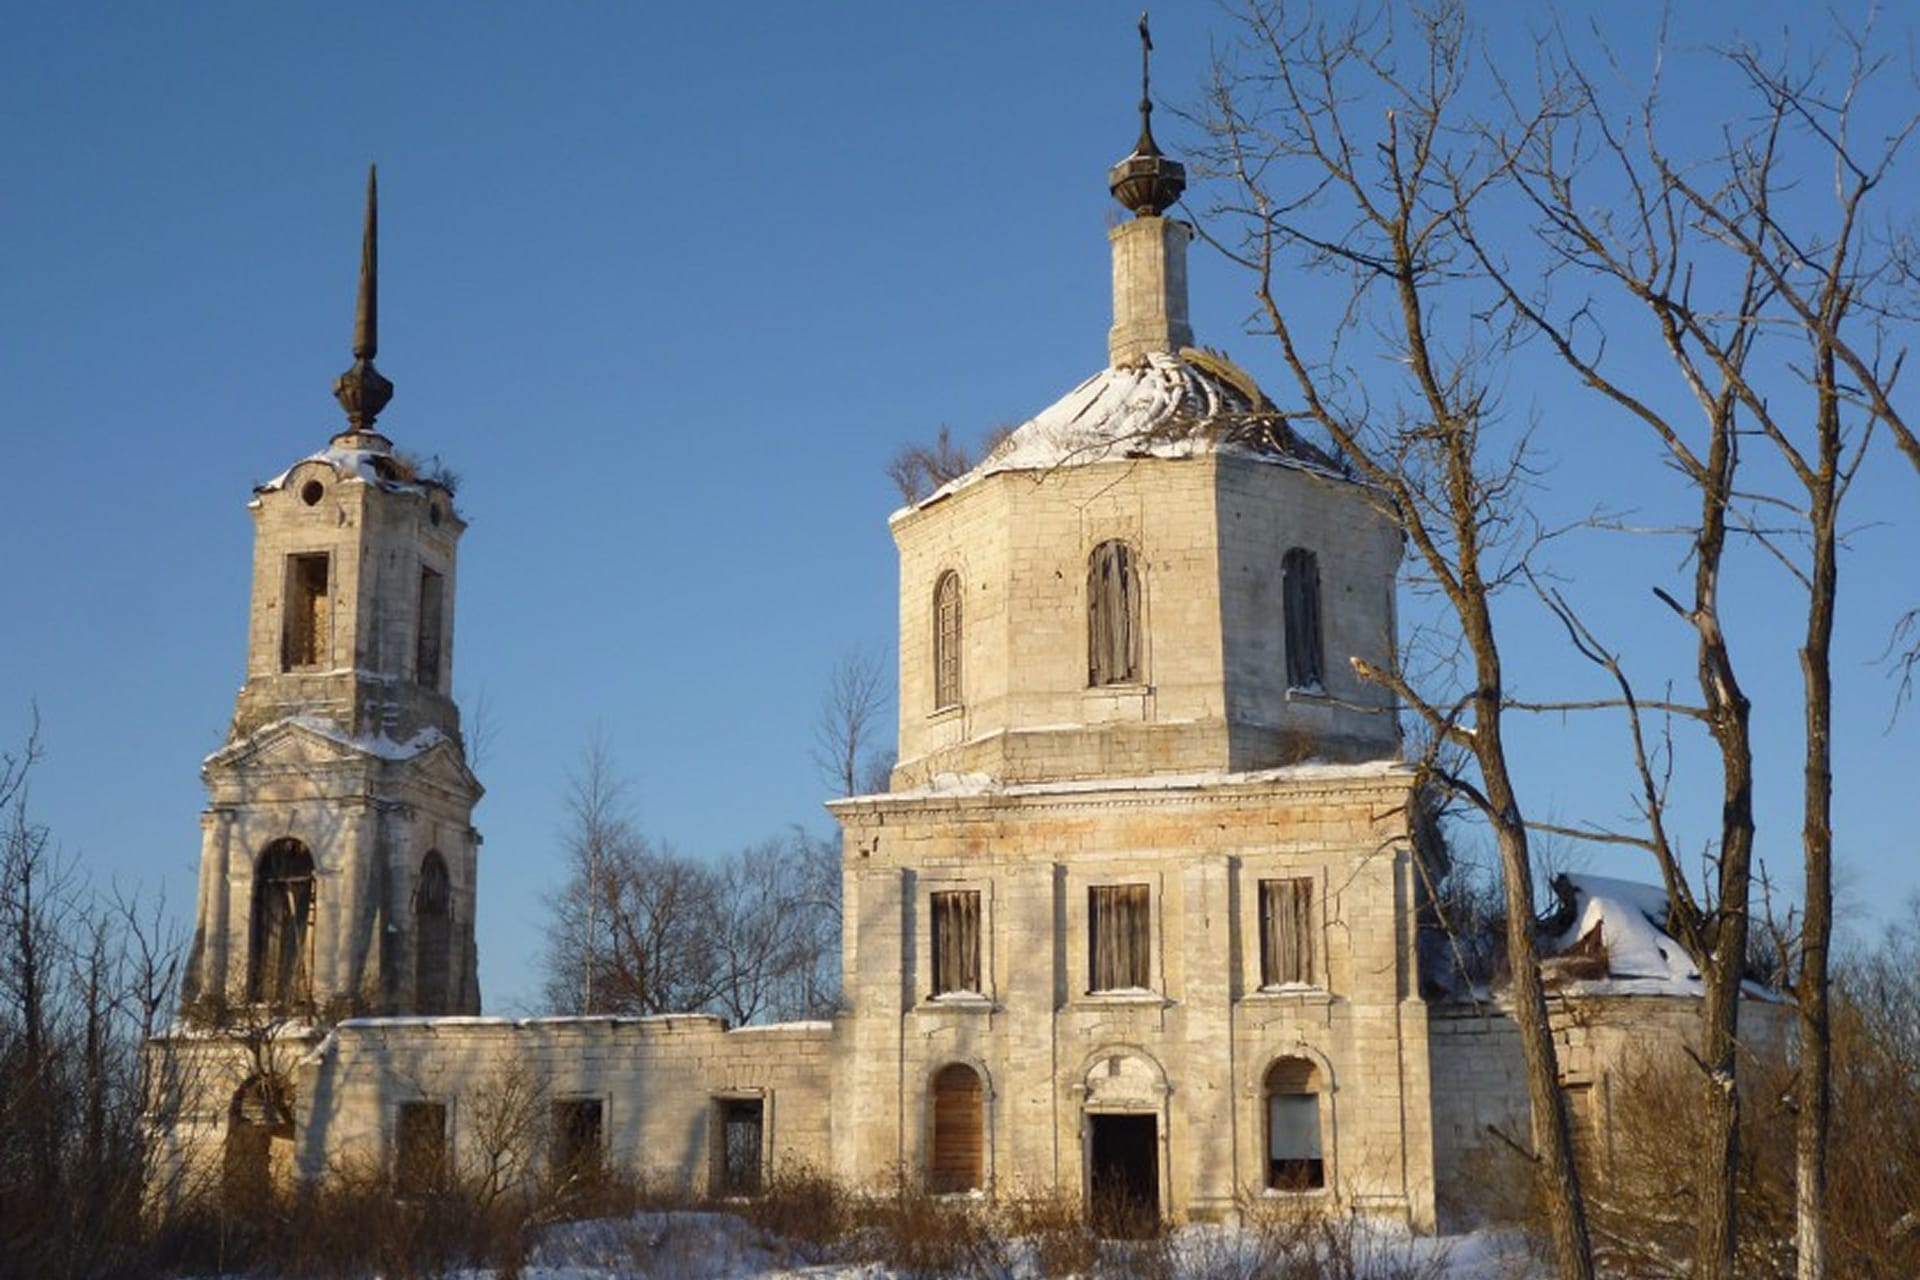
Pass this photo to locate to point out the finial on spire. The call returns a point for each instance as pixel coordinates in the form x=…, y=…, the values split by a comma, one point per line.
x=361, y=390
x=1146, y=181
x=1145, y=145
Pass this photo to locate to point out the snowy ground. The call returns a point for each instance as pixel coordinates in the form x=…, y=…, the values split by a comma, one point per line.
x=706, y=1246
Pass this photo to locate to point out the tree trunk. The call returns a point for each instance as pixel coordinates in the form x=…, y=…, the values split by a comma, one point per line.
x=1725, y=965
x=1559, y=1181
x=1816, y=659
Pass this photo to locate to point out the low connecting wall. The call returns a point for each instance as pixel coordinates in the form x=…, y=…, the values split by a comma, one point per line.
x=677, y=1100
x=1480, y=1113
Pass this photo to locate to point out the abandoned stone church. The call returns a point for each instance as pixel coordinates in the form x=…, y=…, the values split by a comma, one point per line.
x=1140, y=916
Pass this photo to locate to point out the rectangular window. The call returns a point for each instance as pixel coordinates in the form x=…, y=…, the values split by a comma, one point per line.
x=305, y=636
x=420, y=1148
x=1120, y=938
x=578, y=1140
x=1286, y=933
x=737, y=1154
x=426, y=661
x=956, y=941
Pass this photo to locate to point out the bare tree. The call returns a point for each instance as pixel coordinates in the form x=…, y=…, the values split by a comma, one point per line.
x=639, y=929
x=1782, y=319
x=627, y=933
x=1377, y=206
x=767, y=934
x=850, y=748
x=83, y=980
x=918, y=469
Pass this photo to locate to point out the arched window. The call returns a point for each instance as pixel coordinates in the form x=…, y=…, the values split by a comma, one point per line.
x=432, y=935
x=958, y=1159
x=1294, y=1161
x=946, y=641
x=1113, y=615
x=282, y=925
x=1300, y=595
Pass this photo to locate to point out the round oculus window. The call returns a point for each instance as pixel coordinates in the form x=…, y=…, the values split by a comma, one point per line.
x=312, y=491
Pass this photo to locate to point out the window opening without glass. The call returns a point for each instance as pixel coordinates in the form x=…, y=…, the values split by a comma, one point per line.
x=1286, y=933
x=742, y=1131
x=1113, y=616
x=1300, y=594
x=1294, y=1159
x=578, y=1140
x=304, y=636
x=420, y=1148
x=429, y=641
x=1119, y=937
x=433, y=936
x=956, y=941
x=282, y=924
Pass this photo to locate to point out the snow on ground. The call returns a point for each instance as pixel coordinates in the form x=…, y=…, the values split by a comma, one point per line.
x=718, y=1246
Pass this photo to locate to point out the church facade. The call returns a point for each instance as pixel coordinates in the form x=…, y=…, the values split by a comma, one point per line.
x=1138, y=921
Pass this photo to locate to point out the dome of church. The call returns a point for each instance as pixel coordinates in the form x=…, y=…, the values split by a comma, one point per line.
x=1161, y=405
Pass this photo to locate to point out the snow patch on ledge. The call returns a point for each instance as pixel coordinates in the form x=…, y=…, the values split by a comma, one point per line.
x=960, y=785
x=374, y=744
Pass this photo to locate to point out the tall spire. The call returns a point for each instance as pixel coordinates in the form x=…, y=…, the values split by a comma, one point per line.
x=361, y=390
x=1146, y=181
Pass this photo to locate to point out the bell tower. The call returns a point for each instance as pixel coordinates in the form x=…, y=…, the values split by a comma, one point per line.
x=339, y=856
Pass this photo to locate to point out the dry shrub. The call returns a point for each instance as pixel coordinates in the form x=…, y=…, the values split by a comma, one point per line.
x=807, y=1209
x=1057, y=1232
x=922, y=1236
x=1308, y=1240
x=355, y=1226
x=1643, y=1197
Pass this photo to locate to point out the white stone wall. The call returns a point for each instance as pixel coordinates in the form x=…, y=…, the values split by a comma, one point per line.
x=1480, y=1084
x=1193, y=1051
x=1209, y=533
x=658, y=1081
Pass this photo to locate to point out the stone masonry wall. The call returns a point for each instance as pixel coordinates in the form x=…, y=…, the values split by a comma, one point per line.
x=1208, y=534
x=1194, y=1049
x=657, y=1080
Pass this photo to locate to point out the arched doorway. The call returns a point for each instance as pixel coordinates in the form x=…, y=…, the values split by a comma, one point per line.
x=260, y=1115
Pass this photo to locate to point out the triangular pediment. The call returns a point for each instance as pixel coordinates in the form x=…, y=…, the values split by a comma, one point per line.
x=305, y=742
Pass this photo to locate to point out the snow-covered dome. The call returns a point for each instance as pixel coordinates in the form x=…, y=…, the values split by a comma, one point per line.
x=1159, y=406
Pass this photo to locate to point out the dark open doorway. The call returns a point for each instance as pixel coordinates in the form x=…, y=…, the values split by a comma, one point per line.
x=1123, y=1174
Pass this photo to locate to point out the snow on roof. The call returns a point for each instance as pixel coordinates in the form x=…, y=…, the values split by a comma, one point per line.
x=371, y=465
x=1625, y=924
x=1166, y=406
x=373, y=744
x=957, y=785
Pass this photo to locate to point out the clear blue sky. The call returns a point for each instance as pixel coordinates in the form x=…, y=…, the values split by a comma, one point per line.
x=666, y=285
